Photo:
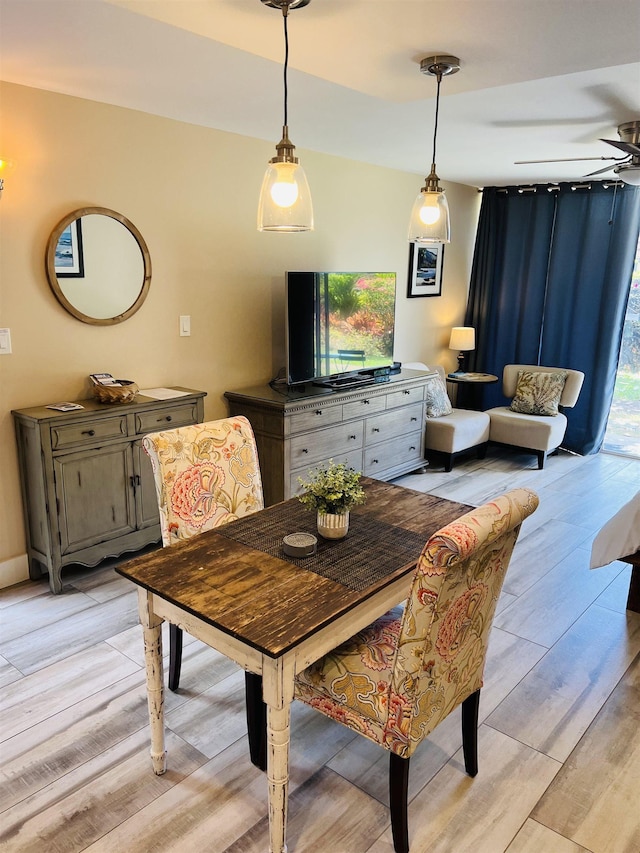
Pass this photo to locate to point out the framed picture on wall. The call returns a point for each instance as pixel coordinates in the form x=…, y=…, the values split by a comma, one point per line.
x=69, y=260
x=425, y=269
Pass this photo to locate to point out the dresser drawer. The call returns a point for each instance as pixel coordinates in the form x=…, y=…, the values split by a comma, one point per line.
x=390, y=454
x=405, y=396
x=397, y=422
x=364, y=407
x=351, y=460
x=166, y=418
x=87, y=431
x=318, y=418
x=325, y=444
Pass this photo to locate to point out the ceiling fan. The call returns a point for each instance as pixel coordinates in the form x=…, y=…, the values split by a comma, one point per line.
x=627, y=168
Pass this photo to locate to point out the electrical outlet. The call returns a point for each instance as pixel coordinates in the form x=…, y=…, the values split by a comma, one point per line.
x=185, y=326
x=5, y=341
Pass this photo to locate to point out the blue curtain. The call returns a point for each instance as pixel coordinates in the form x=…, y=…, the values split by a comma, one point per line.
x=549, y=285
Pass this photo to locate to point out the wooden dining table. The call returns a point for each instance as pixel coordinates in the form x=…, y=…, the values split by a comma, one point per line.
x=235, y=589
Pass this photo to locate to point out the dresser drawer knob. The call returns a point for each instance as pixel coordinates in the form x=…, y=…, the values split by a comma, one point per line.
x=376, y=429
x=414, y=419
x=365, y=402
x=304, y=450
x=412, y=447
x=88, y=432
x=406, y=392
x=166, y=418
x=352, y=437
x=318, y=412
x=374, y=461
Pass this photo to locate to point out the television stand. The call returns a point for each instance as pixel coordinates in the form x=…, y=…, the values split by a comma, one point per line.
x=377, y=429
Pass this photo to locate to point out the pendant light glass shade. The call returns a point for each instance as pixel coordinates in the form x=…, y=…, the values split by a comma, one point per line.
x=285, y=199
x=430, y=221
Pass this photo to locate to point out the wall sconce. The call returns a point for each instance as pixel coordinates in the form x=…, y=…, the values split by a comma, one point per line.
x=285, y=200
x=463, y=338
x=6, y=166
x=429, y=221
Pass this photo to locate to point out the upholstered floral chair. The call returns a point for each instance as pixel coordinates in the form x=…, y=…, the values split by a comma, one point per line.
x=397, y=679
x=205, y=475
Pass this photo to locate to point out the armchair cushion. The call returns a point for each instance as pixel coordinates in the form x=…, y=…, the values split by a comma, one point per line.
x=437, y=399
x=538, y=392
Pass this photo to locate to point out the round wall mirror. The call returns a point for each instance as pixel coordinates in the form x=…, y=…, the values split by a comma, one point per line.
x=98, y=266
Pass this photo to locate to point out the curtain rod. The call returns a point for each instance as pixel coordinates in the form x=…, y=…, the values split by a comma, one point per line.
x=551, y=188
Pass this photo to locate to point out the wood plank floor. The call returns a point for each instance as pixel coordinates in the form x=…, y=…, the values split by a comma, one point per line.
x=559, y=741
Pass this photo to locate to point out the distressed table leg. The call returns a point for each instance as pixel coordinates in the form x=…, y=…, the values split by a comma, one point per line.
x=278, y=695
x=152, y=631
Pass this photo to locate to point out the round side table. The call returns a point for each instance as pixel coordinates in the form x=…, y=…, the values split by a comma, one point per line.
x=469, y=388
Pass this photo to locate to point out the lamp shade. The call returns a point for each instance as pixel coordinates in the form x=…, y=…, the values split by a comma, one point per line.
x=463, y=338
x=285, y=199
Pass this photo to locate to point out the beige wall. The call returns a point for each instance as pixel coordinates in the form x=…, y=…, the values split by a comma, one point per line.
x=192, y=192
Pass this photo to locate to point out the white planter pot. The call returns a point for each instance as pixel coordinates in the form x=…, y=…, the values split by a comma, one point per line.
x=332, y=526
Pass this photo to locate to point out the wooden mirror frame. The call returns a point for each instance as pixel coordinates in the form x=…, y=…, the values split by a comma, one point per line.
x=52, y=277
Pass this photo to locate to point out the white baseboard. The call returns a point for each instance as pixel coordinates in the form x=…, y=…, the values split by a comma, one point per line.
x=13, y=571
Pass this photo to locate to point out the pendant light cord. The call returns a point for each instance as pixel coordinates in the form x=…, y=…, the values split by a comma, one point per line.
x=285, y=10
x=435, y=127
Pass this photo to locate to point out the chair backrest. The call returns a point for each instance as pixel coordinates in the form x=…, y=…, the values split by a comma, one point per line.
x=419, y=365
x=572, y=385
x=442, y=644
x=205, y=475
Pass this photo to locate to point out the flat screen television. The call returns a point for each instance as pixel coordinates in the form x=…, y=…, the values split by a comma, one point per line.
x=339, y=326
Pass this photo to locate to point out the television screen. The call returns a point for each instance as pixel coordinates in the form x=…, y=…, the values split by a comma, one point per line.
x=338, y=323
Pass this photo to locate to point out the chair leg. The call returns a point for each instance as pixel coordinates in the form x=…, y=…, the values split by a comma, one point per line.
x=541, y=457
x=448, y=462
x=470, y=708
x=175, y=656
x=256, y=720
x=482, y=450
x=398, y=795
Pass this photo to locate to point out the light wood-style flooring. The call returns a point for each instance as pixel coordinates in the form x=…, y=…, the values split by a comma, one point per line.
x=559, y=738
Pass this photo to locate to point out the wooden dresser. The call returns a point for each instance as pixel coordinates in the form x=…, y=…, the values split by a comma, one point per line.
x=377, y=429
x=87, y=485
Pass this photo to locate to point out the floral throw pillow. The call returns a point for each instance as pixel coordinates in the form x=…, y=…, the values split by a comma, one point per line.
x=438, y=403
x=538, y=392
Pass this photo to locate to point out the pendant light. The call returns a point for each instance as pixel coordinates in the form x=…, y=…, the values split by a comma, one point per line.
x=285, y=200
x=429, y=221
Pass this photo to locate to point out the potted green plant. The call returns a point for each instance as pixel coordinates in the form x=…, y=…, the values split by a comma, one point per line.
x=331, y=491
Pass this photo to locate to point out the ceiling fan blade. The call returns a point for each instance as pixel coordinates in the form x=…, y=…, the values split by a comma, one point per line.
x=599, y=172
x=627, y=147
x=564, y=160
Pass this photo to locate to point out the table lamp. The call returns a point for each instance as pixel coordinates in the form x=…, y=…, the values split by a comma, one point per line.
x=463, y=338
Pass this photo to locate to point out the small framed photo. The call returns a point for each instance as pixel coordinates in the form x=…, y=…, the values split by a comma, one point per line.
x=425, y=269
x=69, y=261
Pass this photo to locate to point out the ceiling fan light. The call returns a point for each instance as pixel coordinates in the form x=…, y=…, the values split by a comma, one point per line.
x=430, y=222
x=629, y=173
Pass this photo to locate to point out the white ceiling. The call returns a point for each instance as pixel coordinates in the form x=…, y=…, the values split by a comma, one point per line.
x=539, y=78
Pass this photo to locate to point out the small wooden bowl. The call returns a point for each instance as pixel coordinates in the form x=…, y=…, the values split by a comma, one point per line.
x=123, y=393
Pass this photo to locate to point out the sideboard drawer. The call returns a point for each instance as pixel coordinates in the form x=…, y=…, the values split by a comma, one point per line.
x=366, y=406
x=396, y=422
x=166, y=418
x=405, y=396
x=326, y=444
x=389, y=454
x=317, y=418
x=88, y=431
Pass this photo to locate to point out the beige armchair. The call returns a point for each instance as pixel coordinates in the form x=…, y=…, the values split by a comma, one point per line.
x=397, y=679
x=451, y=432
x=538, y=425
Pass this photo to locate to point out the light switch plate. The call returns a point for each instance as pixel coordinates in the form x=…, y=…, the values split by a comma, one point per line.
x=185, y=326
x=5, y=341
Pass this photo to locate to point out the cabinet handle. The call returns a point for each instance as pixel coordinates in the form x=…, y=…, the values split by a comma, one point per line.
x=412, y=447
x=414, y=419
x=375, y=429
x=406, y=392
x=374, y=461
x=352, y=437
x=304, y=450
x=365, y=402
x=168, y=418
x=318, y=412
x=88, y=432
x=138, y=481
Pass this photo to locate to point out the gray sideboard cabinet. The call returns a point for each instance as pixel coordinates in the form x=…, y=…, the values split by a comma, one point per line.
x=87, y=485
